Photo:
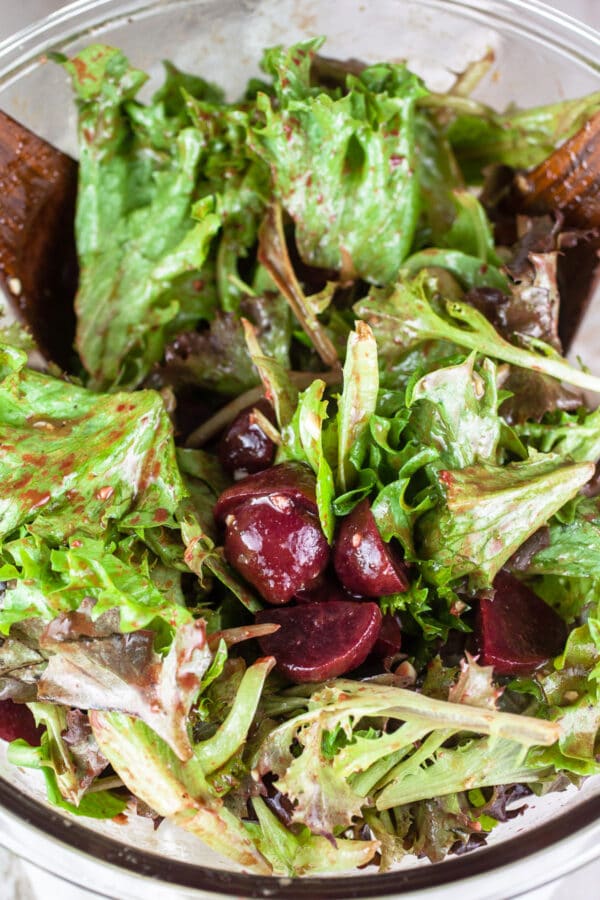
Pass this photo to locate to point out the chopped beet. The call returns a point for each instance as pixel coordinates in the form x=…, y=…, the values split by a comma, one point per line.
x=517, y=631
x=292, y=480
x=389, y=639
x=321, y=640
x=277, y=545
x=16, y=721
x=244, y=448
x=363, y=562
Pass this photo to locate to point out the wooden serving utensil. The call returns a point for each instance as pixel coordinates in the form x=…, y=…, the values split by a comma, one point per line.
x=38, y=262
x=569, y=181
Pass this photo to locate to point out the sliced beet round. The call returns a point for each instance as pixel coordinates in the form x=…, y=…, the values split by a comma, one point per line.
x=362, y=561
x=244, y=448
x=517, y=631
x=321, y=640
x=16, y=721
x=290, y=479
x=389, y=639
x=277, y=545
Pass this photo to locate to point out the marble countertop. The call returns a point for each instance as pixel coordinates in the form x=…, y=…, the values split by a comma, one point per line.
x=21, y=881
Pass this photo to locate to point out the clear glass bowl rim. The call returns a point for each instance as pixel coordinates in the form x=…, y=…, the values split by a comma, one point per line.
x=22, y=51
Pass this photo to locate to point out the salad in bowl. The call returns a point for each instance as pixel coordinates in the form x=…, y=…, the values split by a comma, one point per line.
x=300, y=534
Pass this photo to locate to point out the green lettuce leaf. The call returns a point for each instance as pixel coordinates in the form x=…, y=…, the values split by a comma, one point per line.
x=355, y=208
x=487, y=512
x=45, y=583
x=139, y=231
x=75, y=461
x=480, y=136
x=180, y=790
x=455, y=410
x=302, y=853
x=357, y=402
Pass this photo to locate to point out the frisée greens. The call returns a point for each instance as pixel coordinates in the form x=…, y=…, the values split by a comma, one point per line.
x=324, y=242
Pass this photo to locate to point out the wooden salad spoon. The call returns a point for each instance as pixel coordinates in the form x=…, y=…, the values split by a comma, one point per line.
x=38, y=262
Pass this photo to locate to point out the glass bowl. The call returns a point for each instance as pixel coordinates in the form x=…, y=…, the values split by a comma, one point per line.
x=540, y=56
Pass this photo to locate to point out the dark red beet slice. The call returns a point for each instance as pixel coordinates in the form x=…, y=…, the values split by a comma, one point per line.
x=363, y=563
x=16, y=721
x=276, y=545
x=292, y=480
x=517, y=630
x=318, y=641
x=244, y=448
x=389, y=638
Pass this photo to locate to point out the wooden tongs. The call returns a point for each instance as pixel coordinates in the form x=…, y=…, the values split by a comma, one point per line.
x=568, y=180
x=38, y=263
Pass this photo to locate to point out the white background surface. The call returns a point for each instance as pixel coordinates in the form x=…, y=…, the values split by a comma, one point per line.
x=22, y=882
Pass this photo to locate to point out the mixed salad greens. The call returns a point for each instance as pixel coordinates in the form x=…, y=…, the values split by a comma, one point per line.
x=304, y=556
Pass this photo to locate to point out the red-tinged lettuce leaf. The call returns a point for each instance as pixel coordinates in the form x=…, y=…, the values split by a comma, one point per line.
x=486, y=513
x=217, y=358
x=355, y=207
x=70, y=748
x=190, y=793
x=93, y=666
x=22, y=662
x=74, y=461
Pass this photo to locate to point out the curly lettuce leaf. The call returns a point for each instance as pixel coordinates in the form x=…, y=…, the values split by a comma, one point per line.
x=140, y=232
x=372, y=765
x=404, y=317
x=355, y=208
x=75, y=461
x=45, y=582
x=454, y=409
x=487, y=512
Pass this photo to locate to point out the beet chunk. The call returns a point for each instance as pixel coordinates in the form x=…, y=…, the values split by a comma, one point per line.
x=363, y=563
x=16, y=721
x=517, y=631
x=244, y=448
x=321, y=640
x=292, y=480
x=389, y=638
x=276, y=545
